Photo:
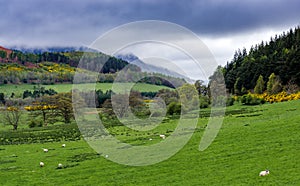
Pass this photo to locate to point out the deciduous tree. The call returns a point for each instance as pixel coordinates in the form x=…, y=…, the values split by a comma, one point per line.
x=64, y=107
x=12, y=115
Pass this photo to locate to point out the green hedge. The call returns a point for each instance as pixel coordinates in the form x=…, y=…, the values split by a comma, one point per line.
x=41, y=135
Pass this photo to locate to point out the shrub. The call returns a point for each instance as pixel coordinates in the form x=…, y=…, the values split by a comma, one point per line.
x=280, y=97
x=156, y=114
x=174, y=108
x=230, y=101
x=204, y=101
x=251, y=99
x=223, y=100
x=219, y=101
x=34, y=123
x=2, y=98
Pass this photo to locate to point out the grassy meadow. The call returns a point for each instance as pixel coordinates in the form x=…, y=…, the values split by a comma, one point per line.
x=252, y=138
x=8, y=89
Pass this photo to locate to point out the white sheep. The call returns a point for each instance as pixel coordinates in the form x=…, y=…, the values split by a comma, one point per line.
x=45, y=150
x=264, y=173
x=42, y=164
x=60, y=166
x=162, y=136
x=63, y=145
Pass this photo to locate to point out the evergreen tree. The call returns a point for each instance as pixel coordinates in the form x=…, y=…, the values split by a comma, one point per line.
x=260, y=84
x=271, y=82
x=3, y=54
x=201, y=87
x=2, y=98
x=281, y=56
x=237, y=86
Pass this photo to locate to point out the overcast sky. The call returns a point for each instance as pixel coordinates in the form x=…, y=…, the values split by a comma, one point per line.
x=223, y=25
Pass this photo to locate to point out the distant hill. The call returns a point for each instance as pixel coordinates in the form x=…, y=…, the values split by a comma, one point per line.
x=4, y=52
x=66, y=55
x=281, y=55
x=132, y=59
x=59, y=66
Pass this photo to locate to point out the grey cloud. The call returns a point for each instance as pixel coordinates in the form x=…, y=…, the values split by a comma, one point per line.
x=73, y=22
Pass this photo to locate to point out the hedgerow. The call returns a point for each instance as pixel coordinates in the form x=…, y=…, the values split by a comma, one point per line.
x=36, y=135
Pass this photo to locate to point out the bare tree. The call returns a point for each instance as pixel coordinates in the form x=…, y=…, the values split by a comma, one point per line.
x=291, y=87
x=12, y=115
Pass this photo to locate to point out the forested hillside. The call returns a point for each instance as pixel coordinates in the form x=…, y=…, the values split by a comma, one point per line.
x=281, y=56
x=59, y=67
x=71, y=58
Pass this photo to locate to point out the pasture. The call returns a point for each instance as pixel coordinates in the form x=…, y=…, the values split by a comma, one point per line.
x=252, y=138
x=8, y=89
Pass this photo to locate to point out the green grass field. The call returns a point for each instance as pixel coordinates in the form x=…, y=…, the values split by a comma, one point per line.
x=252, y=138
x=8, y=89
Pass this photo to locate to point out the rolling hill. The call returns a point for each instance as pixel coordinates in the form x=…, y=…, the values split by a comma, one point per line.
x=251, y=139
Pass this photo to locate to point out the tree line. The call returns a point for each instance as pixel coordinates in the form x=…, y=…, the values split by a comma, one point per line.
x=46, y=106
x=281, y=56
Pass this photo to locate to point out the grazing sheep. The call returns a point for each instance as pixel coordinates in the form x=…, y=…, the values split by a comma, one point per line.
x=150, y=139
x=106, y=156
x=162, y=136
x=59, y=166
x=63, y=145
x=45, y=150
x=42, y=164
x=264, y=173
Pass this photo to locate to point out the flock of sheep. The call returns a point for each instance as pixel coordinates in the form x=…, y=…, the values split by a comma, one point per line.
x=162, y=136
x=59, y=166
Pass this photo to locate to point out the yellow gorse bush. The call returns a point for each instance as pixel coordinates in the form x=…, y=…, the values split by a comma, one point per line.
x=280, y=97
x=235, y=98
x=40, y=107
x=149, y=100
x=12, y=109
x=53, y=67
x=15, y=68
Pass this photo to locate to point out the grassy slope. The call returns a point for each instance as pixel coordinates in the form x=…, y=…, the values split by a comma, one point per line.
x=265, y=137
x=19, y=89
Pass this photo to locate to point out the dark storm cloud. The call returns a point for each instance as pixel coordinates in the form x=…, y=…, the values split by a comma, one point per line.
x=37, y=22
x=216, y=16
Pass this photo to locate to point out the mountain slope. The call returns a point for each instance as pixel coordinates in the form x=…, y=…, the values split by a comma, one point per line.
x=132, y=59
